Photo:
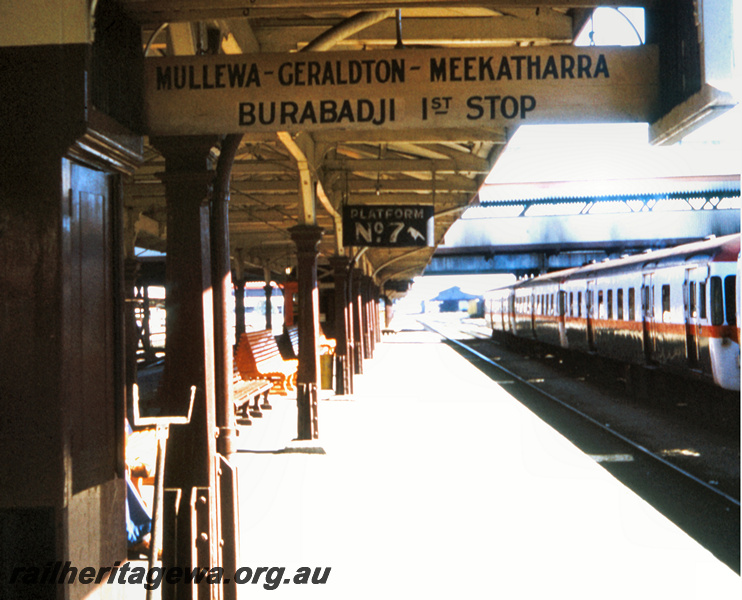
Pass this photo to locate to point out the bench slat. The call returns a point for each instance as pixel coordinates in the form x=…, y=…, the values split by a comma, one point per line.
x=246, y=391
x=257, y=356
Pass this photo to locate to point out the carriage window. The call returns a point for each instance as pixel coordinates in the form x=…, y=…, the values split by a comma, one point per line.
x=702, y=298
x=571, y=304
x=632, y=304
x=717, y=302
x=610, y=304
x=562, y=297
x=551, y=304
x=730, y=283
x=601, y=309
x=692, y=299
x=579, y=304
x=619, y=304
x=665, y=300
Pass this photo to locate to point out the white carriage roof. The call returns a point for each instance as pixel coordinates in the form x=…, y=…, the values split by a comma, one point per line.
x=559, y=191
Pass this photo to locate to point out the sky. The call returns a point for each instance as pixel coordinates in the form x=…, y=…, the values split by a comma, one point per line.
x=599, y=152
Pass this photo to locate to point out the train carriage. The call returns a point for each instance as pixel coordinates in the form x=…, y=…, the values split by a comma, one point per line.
x=499, y=310
x=676, y=308
x=523, y=317
x=548, y=314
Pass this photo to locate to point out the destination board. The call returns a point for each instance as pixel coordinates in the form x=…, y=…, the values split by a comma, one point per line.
x=399, y=89
x=391, y=226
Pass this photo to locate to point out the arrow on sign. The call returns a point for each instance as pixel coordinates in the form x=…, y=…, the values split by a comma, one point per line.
x=416, y=235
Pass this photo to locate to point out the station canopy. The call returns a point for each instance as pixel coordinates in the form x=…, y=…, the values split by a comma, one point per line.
x=393, y=162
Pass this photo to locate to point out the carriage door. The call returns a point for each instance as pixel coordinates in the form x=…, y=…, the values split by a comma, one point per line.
x=690, y=309
x=649, y=326
x=562, y=311
x=511, y=312
x=589, y=302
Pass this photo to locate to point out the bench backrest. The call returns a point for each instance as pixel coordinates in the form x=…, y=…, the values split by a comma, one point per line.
x=325, y=345
x=256, y=347
x=236, y=376
x=293, y=332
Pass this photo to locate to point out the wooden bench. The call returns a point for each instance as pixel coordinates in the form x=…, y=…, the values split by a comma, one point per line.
x=326, y=345
x=245, y=392
x=257, y=357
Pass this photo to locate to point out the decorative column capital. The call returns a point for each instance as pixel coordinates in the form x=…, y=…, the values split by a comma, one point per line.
x=306, y=237
x=340, y=265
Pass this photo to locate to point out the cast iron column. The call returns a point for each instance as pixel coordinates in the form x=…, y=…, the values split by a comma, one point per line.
x=221, y=273
x=268, y=308
x=357, y=308
x=239, y=310
x=377, y=315
x=371, y=323
x=350, y=328
x=306, y=238
x=388, y=312
x=363, y=304
x=344, y=374
x=191, y=448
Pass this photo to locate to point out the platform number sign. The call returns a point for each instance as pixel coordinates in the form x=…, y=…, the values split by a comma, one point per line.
x=391, y=226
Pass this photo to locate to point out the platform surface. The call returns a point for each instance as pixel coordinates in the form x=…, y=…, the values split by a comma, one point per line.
x=431, y=481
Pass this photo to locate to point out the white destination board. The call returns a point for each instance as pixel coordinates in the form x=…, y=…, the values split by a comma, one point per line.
x=399, y=89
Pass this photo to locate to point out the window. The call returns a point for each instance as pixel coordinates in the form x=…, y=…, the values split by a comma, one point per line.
x=619, y=304
x=702, y=298
x=717, y=302
x=571, y=304
x=632, y=304
x=579, y=304
x=692, y=299
x=610, y=304
x=665, y=301
x=647, y=301
x=730, y=283
x=601, y=308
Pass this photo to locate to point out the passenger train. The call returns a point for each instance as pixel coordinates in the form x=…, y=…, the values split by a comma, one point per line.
x=676, y=308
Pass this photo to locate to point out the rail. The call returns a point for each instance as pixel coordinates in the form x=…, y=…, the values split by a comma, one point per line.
x=645, y=451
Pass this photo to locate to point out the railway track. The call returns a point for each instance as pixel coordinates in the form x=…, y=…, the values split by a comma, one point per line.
x=691, y=476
